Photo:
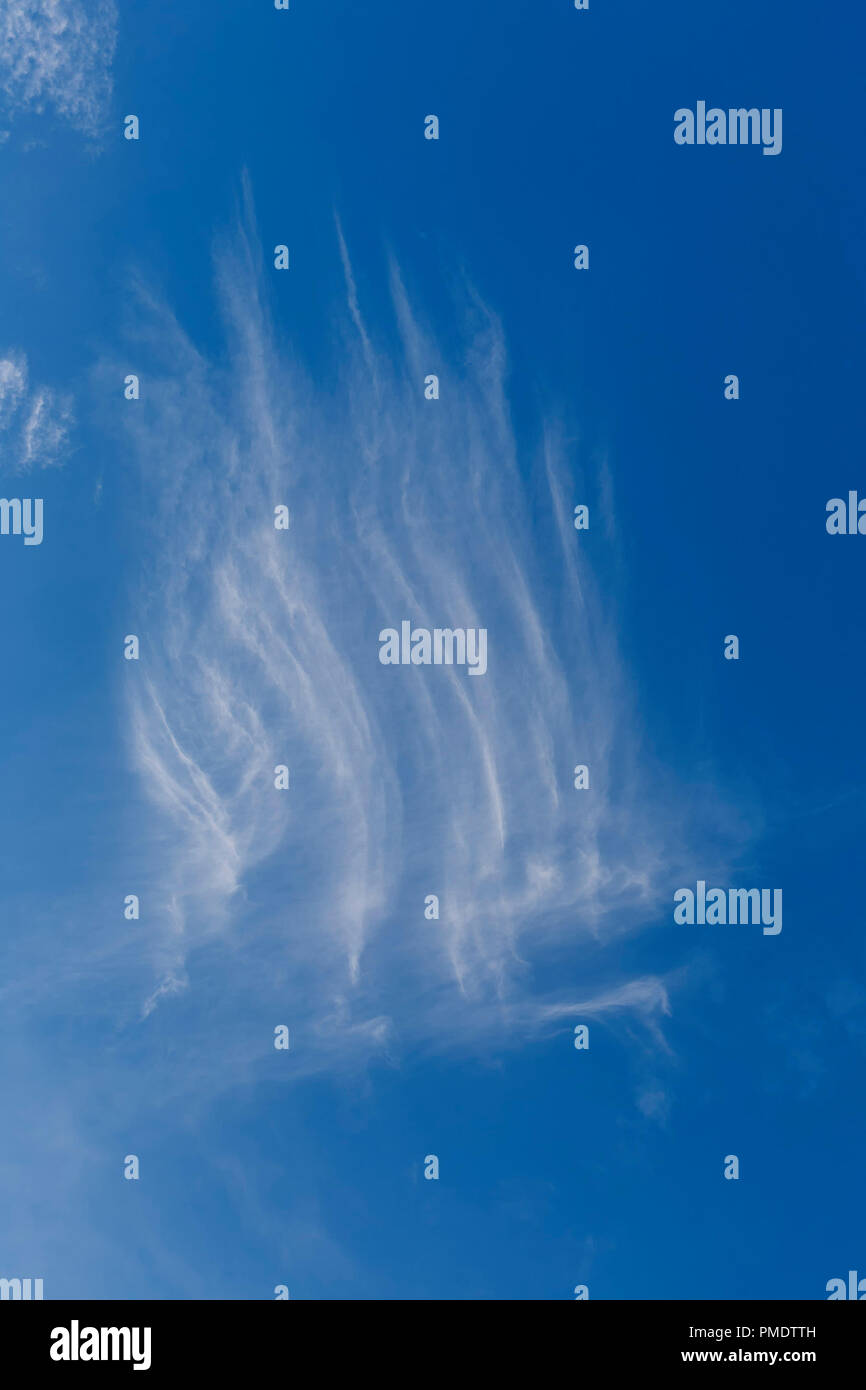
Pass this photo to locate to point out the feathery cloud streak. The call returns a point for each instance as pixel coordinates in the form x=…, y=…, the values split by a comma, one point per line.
x=260, y=647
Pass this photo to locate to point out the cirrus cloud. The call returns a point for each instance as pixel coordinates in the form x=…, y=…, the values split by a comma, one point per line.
x=57, y=55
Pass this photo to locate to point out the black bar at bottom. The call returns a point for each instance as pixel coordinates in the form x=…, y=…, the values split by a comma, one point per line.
x=159, y=1339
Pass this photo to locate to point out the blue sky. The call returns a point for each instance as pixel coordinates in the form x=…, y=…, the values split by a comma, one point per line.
x=258, y=908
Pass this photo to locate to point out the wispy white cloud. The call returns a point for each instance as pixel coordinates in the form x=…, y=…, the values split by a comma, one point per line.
x=57, y=54
x=13, y=384
x=35, y=422
x=260, y=647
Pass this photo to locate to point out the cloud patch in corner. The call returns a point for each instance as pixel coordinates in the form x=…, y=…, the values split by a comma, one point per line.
x=35, y=423
x=57, y=54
